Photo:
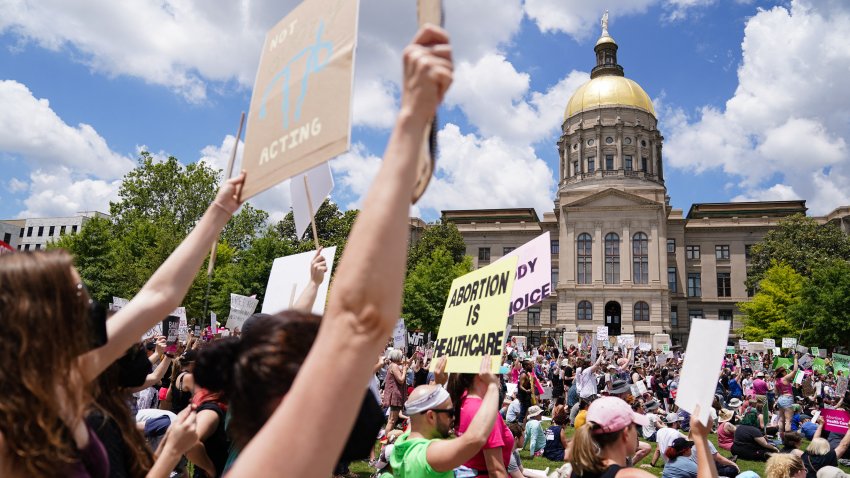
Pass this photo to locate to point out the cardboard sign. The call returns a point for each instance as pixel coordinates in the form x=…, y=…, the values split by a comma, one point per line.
x=703, y=361
x=799, y=376
x=769, y=343
x=300, y=112
x=320, y=182
x=602, y=333
x=475, y=317
x=533, y=281
x=835, y=421
x=290, y=275
x=743, y=345
x=399, y=335
x=183, y=326
x=241, y=307
x=789, y=342
x=841, y=362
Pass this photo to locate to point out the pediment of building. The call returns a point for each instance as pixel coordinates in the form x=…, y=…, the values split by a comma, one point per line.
x=611, y=198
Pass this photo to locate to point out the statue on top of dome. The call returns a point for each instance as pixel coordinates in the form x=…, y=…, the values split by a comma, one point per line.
x=605, y=24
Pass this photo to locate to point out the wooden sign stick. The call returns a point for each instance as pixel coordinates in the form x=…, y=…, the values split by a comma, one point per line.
x=227, y=173
x=312, y=212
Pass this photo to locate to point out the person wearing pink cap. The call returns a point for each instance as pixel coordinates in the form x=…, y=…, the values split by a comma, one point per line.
x=602, y=446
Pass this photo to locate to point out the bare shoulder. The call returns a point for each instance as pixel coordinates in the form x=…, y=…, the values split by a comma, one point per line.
x=634, y=473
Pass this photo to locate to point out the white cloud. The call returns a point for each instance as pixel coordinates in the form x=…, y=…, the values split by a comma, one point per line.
x=31, y=129
x=15, y=185
x=496, y=99
x=354, y=172
x=58, y=192
x=784, y=133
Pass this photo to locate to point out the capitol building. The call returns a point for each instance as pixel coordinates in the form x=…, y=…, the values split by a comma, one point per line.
x=621, y=255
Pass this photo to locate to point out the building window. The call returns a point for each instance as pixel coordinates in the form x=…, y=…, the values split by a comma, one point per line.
x=671, y=245
x=672, y=282
x=553, y=313
x=74, y=229
x=26, y=247
x=612, y=258
x=748, y=250
x=643, y=164
x=609, y=162
x=628, y=163
x=29, y=231
x=641, y=311
x=721, y=252
x=507, y=250
x=725, y=314
x=534, y=315
x=640, y=253
x=695, y=314
x=585, y=310
x=674, y=316
x=511, y=320
x=575, y=168
x=52, y=231
x=19, y=247
x=692, y=252
x=40, y=231
x=591, y=164
x=62, y=230
x=554, y=278
x=483, y=254
x=724, y=284
x=22, y=232
x=7, y=238
x=556, y=248
x=694, y=284
x=37, y=246
x=584, y=243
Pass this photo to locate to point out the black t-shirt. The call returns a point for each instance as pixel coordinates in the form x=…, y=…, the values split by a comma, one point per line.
x=217, y=445
x=109, y=434
x=745, y=437
x=813, y=463
x=420, y=377
x=568, y=372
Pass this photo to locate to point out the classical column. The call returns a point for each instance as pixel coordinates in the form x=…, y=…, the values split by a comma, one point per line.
x=567, y=256
x=626, y=254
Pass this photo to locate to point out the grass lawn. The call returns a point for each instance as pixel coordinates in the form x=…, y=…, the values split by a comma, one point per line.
x=363, y=470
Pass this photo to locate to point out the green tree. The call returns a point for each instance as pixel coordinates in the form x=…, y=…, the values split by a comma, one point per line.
x=768, y=314
x=332, y=227
x=427, y=287
x=245, y=226
x=92, y=251
x=824, y=307
x=442, y=234
x=799, y=242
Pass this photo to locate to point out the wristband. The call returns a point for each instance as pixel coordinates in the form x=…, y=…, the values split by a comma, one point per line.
x=219, y=205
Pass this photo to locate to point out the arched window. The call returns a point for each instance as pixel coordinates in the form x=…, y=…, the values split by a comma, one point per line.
x=585, y=310
x=640, y=256
x=641, y=311
x=612, y=258
x=583, y=259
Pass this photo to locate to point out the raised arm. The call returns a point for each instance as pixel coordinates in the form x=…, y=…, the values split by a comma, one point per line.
x=164, y=291
x=819, y=431
x=699, y=432
x=592, y=368
x=318, y=267
x=365, y=300
x=790, y=377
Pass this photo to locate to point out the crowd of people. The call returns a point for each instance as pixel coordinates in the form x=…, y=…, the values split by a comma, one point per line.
x=296, y=394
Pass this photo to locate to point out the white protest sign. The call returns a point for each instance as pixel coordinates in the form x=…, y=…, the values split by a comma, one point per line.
x=815, y=416
x=241, y=307
x=321, y=183
x=290, y=275
x=769, y=343
x=789, y=342
x=399, y=334
x=533, y=281
x=519, y=340
x=300, y=112
x=626, y=341
x=641, y=386
x=777, y=351
x=118, y=302
x=743, y=344
x=602, y=333
x=806, y=362
x=183, y=327
x=703, y=360
x=594, y=350
x=802, y=349
x=645, y=347
x=213, y=323
x=511, y=389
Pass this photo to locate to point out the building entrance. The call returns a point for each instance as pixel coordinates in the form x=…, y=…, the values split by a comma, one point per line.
x=612, y=318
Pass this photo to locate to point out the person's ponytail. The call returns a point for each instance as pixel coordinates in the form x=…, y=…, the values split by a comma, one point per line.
x=671, y=453
x=585, y=457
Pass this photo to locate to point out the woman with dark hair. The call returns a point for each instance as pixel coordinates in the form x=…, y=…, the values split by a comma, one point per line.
x=46, y=342
x=556, y=438
x=467, y=392
x=750, y=442
x=785, y=396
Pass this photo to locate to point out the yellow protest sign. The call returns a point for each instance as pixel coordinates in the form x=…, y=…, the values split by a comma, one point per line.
x=475, y=317
x=301, y=104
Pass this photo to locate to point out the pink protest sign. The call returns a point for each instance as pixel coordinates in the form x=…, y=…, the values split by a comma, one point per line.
x=835, y=420
x=534, y=273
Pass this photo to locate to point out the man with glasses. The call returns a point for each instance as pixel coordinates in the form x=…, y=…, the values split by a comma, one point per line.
x=425, y=450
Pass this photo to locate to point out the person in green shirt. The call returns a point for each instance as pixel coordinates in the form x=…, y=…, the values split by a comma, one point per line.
x=425, y=451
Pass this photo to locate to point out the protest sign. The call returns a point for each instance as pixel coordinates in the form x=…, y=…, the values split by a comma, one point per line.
x=645, y=347
x=777, y=351
x=756, y=365
x=743, y=345
x=822, y=353
x=119, y=303
x=815, y=351
x=841, y=385
x=475, y=317
x=519, y=340
x=602, y=333
x=300, y=112
x=665, y=348
x=840, y=362
x=197, y=330
x=241, y=307
x=594, y=351
x=290, y=275
x=835, y=420
x=789, y=342
x=806, y=362
x=417, y=338
x=730, y=350
x=703, y=360
x=815, y=416
x=798, y=378
x=171, y=328
x=626, y=341
x=308, y=191
x=768, y=343
x=533, y=280
x=802, y=349
x=183, y=325
x=819, y=365
x=659, y=339
x=511, y=389
x=399, y=334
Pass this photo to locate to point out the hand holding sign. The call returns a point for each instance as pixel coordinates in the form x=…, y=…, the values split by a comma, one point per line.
x=427, y=72
x=228, y=196
x=318, y=267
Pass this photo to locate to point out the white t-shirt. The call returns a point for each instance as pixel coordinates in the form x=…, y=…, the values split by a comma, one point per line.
x=587, y=383
x=648, y=430
x=665, y=438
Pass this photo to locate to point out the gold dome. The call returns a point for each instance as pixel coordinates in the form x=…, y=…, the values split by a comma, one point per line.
x=609, y=90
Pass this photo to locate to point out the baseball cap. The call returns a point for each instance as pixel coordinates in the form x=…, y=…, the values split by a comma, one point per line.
x=672, y=417
x=680, y=444
x=612, y=414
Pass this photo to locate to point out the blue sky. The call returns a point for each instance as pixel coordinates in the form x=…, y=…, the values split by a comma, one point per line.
x=751, y=104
